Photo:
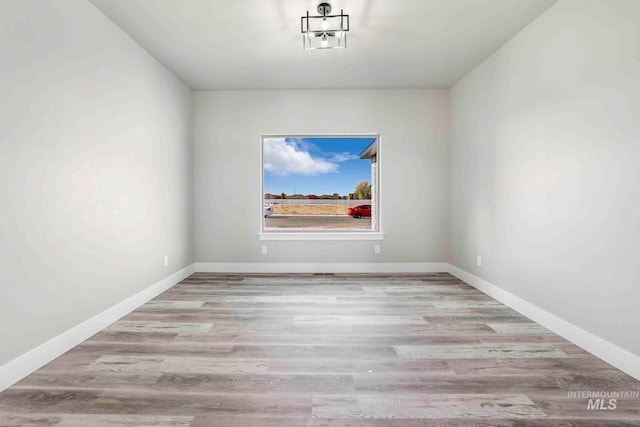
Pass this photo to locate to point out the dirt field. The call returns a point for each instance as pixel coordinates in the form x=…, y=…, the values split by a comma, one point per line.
x=310, y=209
x=310, y=222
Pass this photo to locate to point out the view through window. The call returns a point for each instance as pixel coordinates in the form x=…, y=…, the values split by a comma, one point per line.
x=320, y=183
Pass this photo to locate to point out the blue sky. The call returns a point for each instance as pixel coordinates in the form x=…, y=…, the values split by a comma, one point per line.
x=314, y=165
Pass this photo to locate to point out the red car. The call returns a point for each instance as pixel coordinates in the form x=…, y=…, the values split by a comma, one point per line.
x=359, y=211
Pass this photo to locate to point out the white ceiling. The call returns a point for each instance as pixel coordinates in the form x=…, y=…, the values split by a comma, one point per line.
x=256, y=44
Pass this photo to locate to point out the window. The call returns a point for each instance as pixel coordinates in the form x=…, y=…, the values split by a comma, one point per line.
x=321, y=187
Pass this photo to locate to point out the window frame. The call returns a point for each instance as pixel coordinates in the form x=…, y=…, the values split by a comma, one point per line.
x=376, y=195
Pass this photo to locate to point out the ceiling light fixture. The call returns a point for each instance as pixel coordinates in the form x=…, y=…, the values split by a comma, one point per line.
x=324, y=31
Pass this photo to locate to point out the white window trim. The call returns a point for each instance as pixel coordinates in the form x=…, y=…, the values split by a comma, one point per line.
x=290, y=235
x=319, y=235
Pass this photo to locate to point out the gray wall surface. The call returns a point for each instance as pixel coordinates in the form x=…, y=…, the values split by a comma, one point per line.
x=413, y=127
x=545, y=167
x=95, y=169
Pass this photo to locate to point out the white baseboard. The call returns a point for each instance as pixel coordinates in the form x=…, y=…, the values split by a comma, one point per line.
x=610, y=353
x=18, y=368
x=391, y=267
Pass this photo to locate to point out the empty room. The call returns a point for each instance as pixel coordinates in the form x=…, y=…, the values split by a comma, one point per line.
x=354, y=213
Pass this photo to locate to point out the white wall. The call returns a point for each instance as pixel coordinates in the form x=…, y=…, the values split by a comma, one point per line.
x=95, y=169
x=413, y=125
x=545, y=167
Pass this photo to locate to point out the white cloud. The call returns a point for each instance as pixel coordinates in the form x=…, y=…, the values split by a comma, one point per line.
x=343, y=157
x=283, y=157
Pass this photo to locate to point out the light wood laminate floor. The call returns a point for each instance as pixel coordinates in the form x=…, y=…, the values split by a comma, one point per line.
x=320, y=350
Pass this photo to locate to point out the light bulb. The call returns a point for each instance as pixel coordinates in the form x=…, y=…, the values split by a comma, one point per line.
x=324, y=42
x=325, y=24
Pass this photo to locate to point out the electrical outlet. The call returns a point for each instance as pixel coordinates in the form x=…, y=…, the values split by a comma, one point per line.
x=166, y=260
x=264, y=250
x=479, y=260
x=376, y=249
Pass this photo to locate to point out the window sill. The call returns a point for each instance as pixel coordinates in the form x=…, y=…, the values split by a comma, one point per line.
x=319, y=235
